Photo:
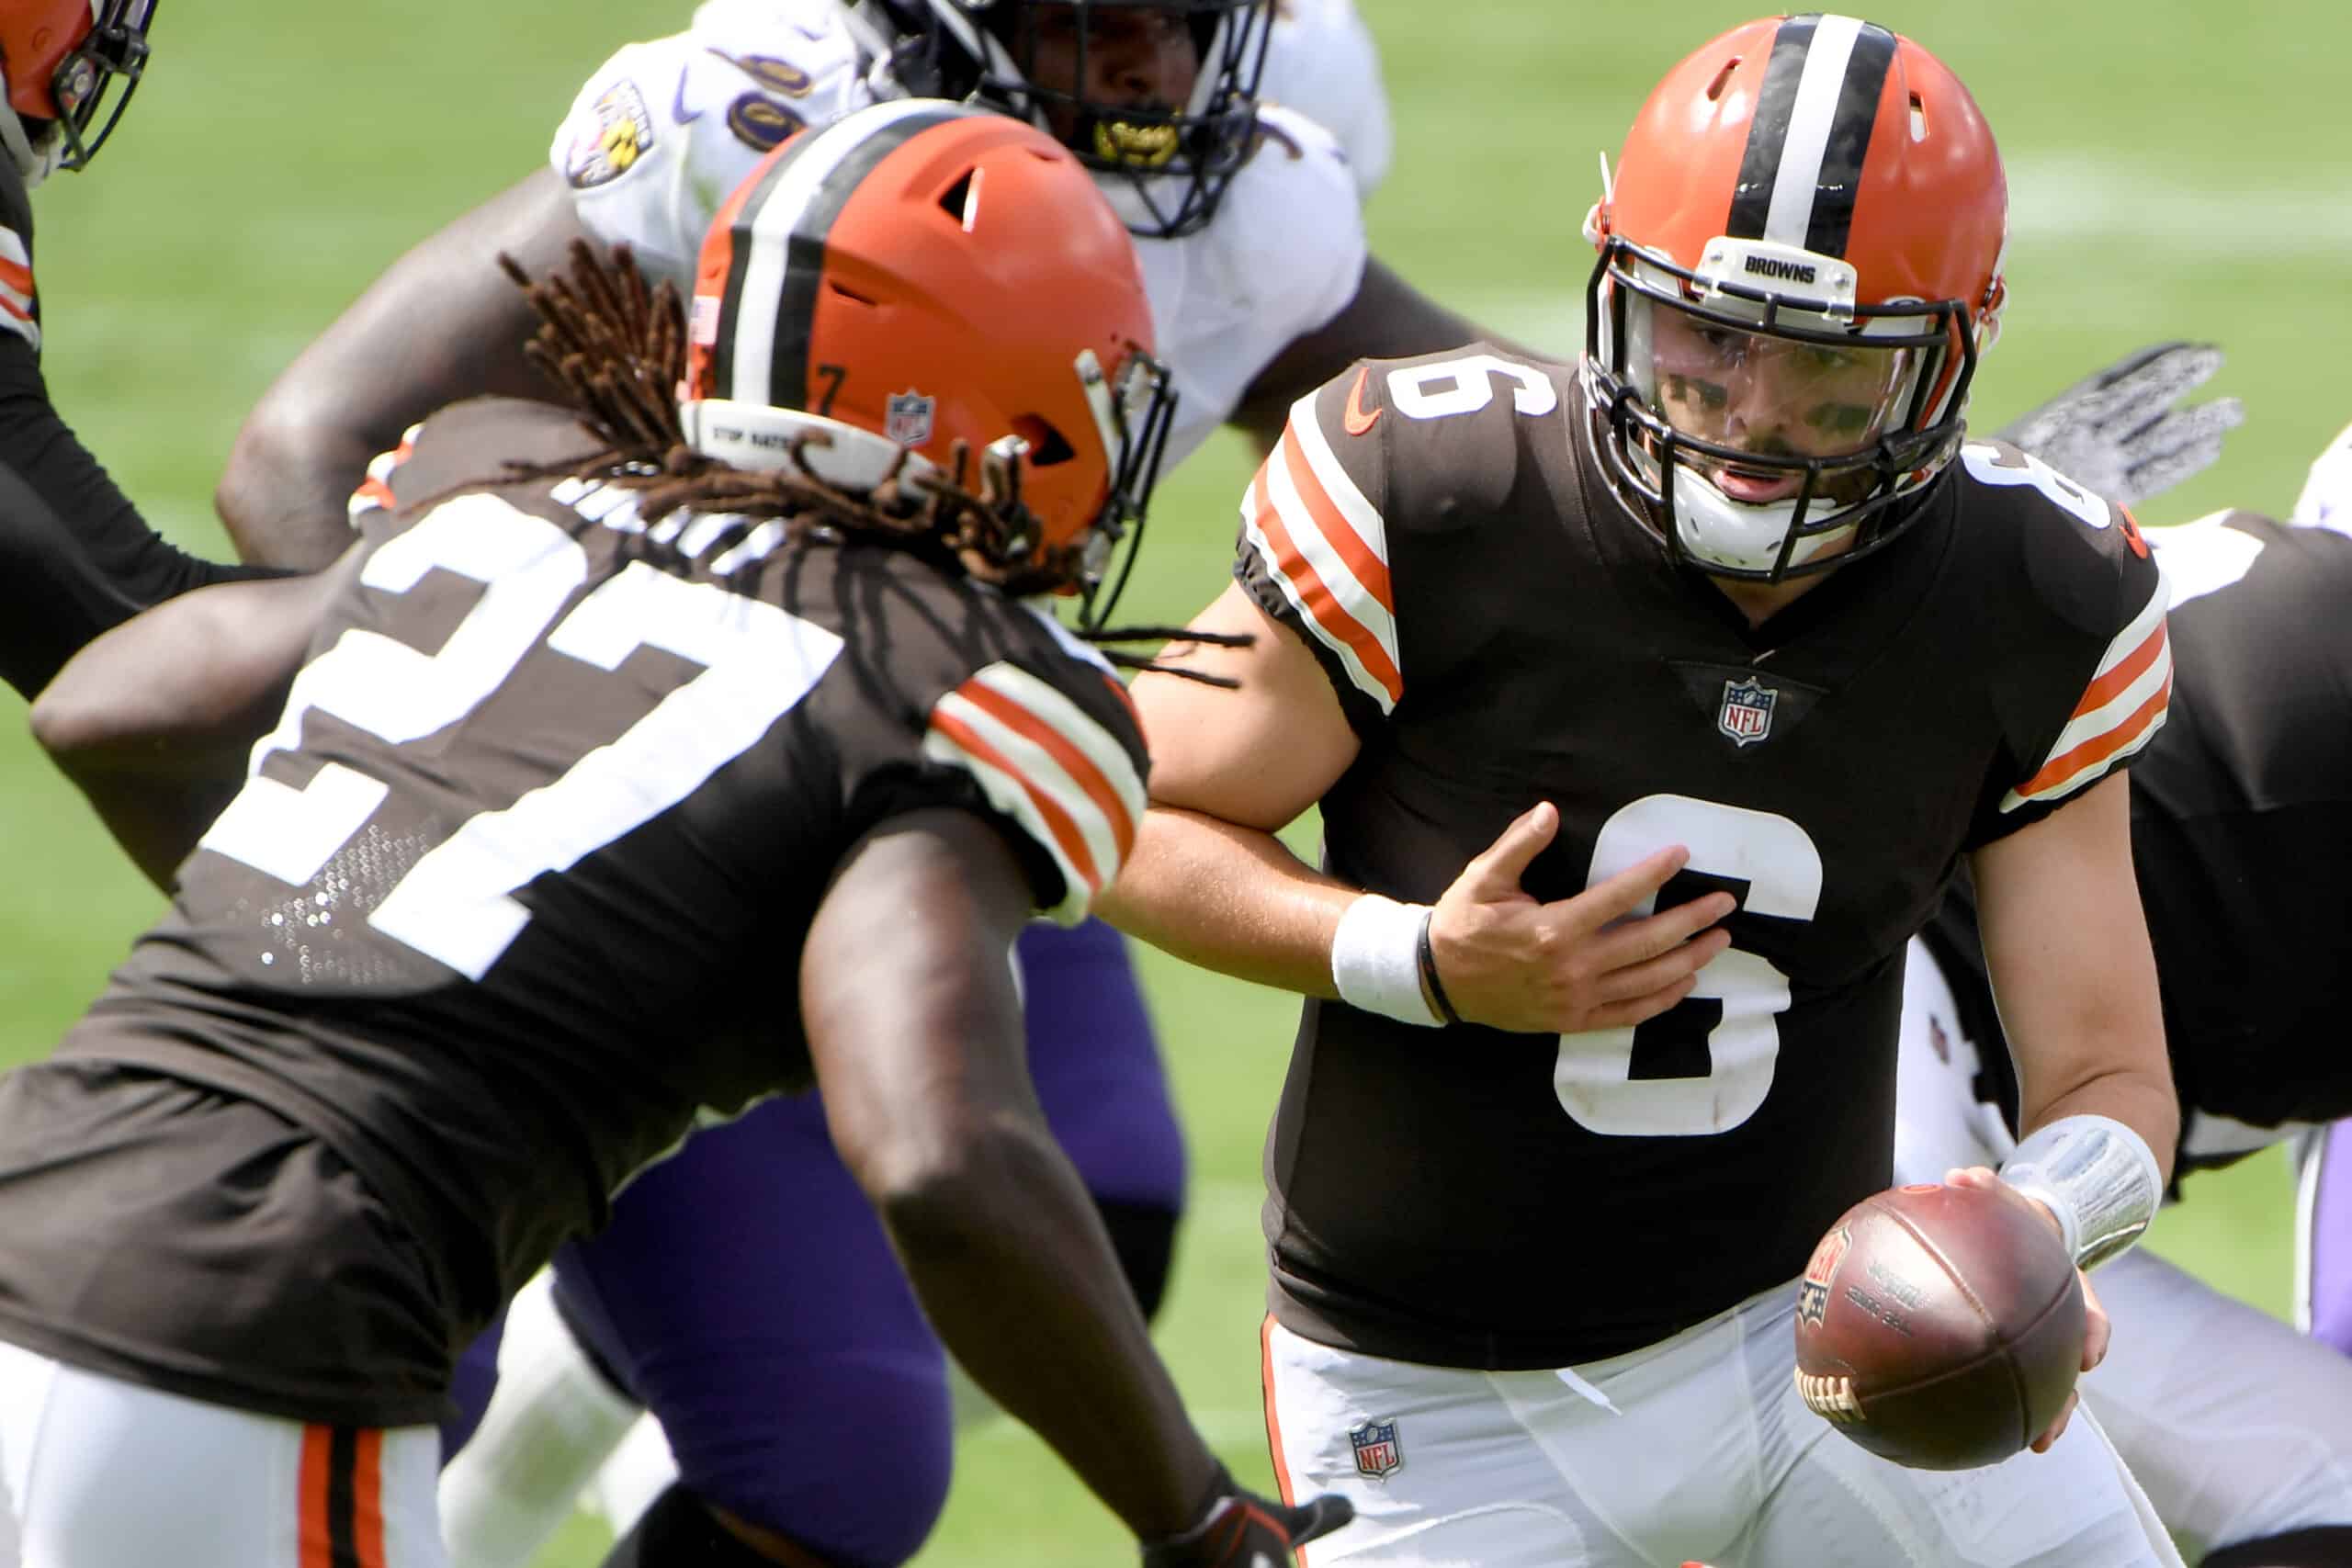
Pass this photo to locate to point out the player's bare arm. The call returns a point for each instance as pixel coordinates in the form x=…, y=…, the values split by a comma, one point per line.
x=1210, y=883
x=2067, y=947
x=443, y=323
x=1389, y=319
x=153, y=720
x=914, y=1027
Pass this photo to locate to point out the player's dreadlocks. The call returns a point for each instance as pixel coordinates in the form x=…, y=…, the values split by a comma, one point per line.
x=616, y=345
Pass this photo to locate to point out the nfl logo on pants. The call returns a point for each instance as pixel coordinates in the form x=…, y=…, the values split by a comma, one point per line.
x=1377, y=1454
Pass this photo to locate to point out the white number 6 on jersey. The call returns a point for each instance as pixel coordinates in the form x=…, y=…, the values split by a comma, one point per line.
x=1778, y=861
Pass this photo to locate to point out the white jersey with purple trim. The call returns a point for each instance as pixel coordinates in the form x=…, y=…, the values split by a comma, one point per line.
x=665, y=130
x=1322, y=62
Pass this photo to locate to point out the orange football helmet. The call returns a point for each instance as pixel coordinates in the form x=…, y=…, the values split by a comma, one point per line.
x=922, y=272
x=1799, y=261
x=60, y=57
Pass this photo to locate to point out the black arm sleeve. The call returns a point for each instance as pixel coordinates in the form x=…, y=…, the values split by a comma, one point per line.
x=76, y=559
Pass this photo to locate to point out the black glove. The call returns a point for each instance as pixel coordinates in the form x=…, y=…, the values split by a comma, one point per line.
x=2119, y=434
x=1245, y=1531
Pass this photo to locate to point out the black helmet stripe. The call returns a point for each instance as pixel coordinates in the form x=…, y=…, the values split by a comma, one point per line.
x=1802, y=163
x=770, y=297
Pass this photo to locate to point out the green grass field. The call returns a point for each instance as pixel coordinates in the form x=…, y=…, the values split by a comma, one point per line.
x=2169, y=179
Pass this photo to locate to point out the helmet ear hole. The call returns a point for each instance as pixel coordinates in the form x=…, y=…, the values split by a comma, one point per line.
x=1047, y=446
x=957, y=200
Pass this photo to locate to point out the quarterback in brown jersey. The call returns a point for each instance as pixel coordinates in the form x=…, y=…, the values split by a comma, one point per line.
x=682, y=714
x=1649, y=703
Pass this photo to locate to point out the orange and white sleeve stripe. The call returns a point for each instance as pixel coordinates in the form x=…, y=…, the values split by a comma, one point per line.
x=17, y=313
x=1326, y=548
x=375, y=490
x=1043, y=762
x=2120, y=713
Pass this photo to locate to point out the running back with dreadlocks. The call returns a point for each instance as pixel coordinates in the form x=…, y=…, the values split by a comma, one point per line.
x=591, y=753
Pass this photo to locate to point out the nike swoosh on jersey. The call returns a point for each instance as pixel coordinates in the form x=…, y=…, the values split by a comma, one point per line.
x=678, y=103
x=1355, y=418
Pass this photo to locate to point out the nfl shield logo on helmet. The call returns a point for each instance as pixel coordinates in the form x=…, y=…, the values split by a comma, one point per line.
x=907, y=418
x=1747, y=713
x=1377, y=1452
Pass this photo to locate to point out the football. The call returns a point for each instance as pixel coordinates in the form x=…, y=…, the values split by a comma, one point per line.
x=1941, y=1328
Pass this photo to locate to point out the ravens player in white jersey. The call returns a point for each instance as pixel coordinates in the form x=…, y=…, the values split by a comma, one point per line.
x=2239, y=1427
x=848, y=1454
x=618, y=712
x=1730, y=623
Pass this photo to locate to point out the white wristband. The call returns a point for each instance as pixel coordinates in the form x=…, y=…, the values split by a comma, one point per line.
x=1376, y=959
x=2097, y=1176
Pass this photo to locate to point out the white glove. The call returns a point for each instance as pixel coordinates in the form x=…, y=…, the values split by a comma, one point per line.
x=2119, y=433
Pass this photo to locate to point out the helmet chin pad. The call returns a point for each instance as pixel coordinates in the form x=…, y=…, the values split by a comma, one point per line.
x=1716, y=530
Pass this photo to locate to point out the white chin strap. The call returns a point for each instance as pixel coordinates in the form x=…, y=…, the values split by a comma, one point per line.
x=754, y=436
x=1718, y=531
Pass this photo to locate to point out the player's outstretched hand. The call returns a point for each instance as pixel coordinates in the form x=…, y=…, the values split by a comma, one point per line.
x=1246, y=1530
x=2119, y=433
x=1579, y=964
x=2096, y=1329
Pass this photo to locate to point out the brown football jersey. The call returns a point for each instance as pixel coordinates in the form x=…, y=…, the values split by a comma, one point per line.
x=518, y=886
x=1500, y=630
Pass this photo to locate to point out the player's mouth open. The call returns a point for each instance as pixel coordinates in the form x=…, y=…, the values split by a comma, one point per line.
x=1139, y=146
x=1756, y=490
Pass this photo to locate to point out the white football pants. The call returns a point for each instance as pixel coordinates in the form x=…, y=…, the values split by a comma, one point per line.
x=1696, y=1449
x=96, y=1473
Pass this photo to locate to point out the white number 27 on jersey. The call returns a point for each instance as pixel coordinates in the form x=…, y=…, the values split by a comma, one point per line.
x=1781, y=867
x=455, y=904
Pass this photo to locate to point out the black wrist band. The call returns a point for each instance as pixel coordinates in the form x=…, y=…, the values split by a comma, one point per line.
x=1432, y=987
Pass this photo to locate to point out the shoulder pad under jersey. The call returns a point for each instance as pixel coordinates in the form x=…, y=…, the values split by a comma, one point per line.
x=465, y=444
x=1054, y=746
x=2087, y=665
x=1371, y=466
x=665, y=130
x=958, y=696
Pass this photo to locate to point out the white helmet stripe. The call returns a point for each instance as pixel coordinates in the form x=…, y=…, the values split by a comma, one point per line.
x=793, y=208
x=1790, y=217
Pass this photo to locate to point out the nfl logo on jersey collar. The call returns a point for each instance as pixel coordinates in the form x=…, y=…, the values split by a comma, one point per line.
x=1746, y=716
x=1378, y=1454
